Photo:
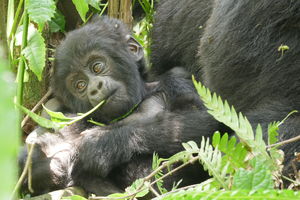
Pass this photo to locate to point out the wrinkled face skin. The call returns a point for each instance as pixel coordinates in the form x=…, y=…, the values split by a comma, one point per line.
x=99, y=61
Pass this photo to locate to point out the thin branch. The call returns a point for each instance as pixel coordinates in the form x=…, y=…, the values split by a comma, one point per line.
x=164, y=165
x=37, y=106
x=294, y=139
x=191, y=161
x=154, y=191
x=25, y=170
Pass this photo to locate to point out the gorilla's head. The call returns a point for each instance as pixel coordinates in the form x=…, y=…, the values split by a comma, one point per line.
x=100, y=61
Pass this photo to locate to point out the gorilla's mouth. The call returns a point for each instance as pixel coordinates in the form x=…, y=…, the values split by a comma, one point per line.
x=106, y=97
x=110, y=95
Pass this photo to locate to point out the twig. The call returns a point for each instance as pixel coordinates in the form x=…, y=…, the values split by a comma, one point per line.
x=294, y=139
x=154, y=191
x=165, y=164
x=191, y=161
x=25, y=170
x=30, y=173
x=34, y=109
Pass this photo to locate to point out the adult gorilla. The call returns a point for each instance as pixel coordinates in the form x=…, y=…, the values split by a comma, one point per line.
x=177, y=29
x=238, y=56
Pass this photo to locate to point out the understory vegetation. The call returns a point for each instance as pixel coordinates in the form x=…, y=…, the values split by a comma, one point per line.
x=241, y=165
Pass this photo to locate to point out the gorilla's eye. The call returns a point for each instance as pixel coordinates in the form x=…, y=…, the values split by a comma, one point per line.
x=80, y=85
x=98, y=67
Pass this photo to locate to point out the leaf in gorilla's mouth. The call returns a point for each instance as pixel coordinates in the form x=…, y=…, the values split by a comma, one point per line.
x=110, y=95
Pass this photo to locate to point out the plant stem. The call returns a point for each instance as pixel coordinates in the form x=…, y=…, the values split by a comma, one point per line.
x=14, y=26
x=294, y=139
x=21, y=68
x=25, y=170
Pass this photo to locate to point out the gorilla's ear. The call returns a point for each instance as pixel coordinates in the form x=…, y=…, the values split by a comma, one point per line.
x=135, y=47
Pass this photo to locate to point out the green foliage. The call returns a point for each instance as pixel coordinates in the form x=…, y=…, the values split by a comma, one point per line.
x=139, y=188
x=40, y=11
x=58, y=119
x=211, y=160
x=233, y=195
x=234, y=152
x=142, y=28
x=242, y=170
x=94, y=3
x=273, y=132
x=82, y=8
x=43, y=122
x=57, y=23
x=237, y=122
x=10, y=17
x=259, y=177
x=226, y=114
x=9, y=139
x=156, y=161
x=245, y=167
x=74, y=197
x=35, y=53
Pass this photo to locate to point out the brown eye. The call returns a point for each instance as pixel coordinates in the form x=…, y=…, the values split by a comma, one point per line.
x=98, y=67
x=80, y=85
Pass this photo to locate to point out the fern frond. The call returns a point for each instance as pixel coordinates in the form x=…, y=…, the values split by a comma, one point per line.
x=156, y=161
x=211, y=160
x=273, y=132
x=234, y=153
x=256, y=178
x=226, y=114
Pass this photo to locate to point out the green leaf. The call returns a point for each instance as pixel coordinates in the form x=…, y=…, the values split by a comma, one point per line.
x=211, y=160
x=82, y=8
x=57, y=23
x=136, y=186
x=233, y=153
x=94, y=3
x=96, y=123
x=155, y=164
x=65, y=121
x=10, y=17
x=40, y=120
x=274, y=127
x=259, y=139
x=35, y=53
x=258, y=178
x=216, y=139
x=57, y=116
x=118, y=195
x=40, y=11
x=183, y=156
x=273, y=132
x=74, y=197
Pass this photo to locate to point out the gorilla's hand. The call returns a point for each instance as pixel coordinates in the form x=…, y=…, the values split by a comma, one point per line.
x=100, y=149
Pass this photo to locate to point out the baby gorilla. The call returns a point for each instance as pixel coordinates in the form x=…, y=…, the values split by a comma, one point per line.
x=55, y=153
x=101, y=61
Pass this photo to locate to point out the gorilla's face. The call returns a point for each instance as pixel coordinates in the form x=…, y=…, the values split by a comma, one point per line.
x=92, y=65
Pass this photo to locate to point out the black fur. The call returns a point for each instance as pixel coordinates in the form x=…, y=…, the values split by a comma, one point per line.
x=238, y=56
x=178, y=26
x=169, y=112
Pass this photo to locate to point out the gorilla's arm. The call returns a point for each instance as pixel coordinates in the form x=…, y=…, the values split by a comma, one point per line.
x=101, y=150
